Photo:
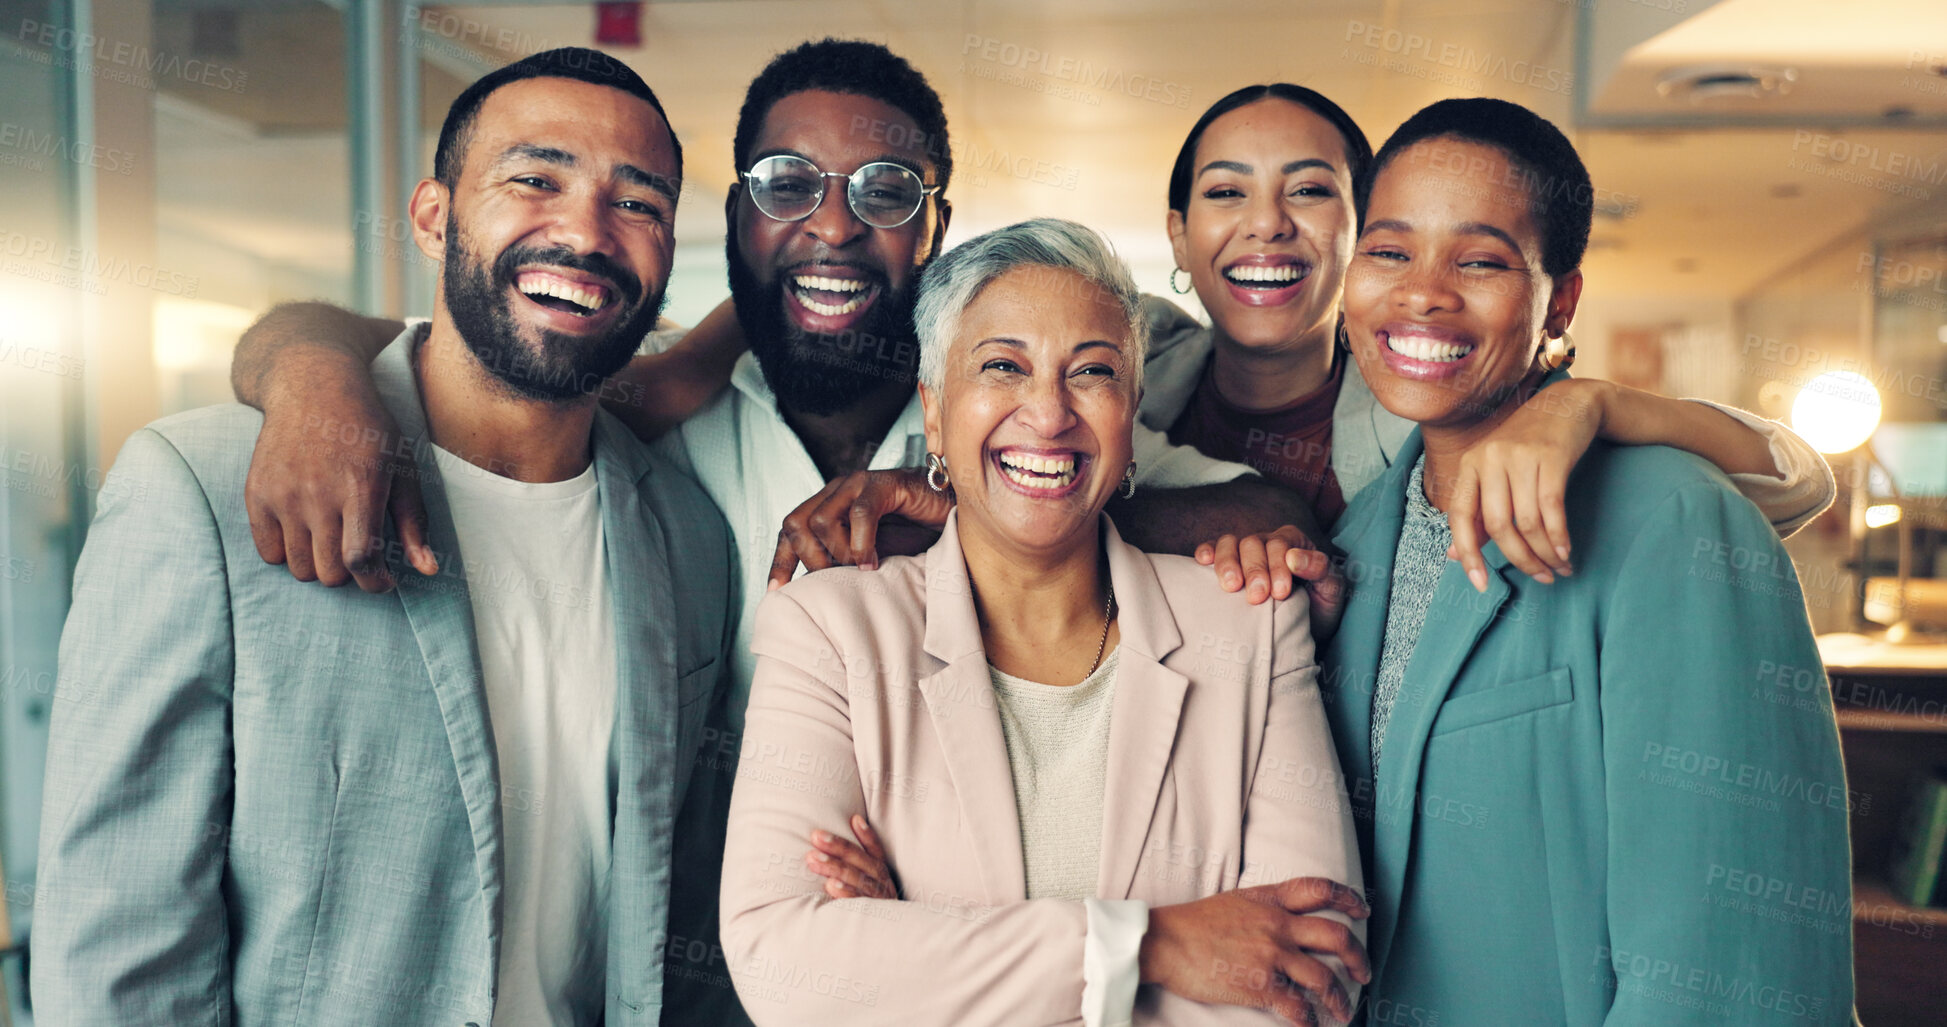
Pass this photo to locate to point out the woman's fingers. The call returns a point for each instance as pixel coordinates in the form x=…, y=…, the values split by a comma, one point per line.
x=1230, y=576
x=838, y=889
x=1316, y=983
x=1551, y=493
x=852, y=864
x=1290, y=1006
x=1464, y=523
x=1277, y=562
x=834, y=870
x=1256, y=565
x=1497, y=512
x=1317, y=894
x=1320, y=935
x=1326, y=589
x=1307, y=564
x=1524, y=490
x=869, y=839
x=1261, y=565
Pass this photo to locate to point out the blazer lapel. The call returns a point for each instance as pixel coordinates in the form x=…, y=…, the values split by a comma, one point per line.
x=441, y=614
x=967, y=722
x=1454, y=625
x=649, y=778
x=1352, y=657
x=1142, y=726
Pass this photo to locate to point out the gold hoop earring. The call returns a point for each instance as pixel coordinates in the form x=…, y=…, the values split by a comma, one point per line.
x=936, y=466
x=1557, y=354
x=1180, y=291
x=1340, y=338
x=1129, y=481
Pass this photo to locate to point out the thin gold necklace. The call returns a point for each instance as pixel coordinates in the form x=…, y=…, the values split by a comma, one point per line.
x=1108, y=615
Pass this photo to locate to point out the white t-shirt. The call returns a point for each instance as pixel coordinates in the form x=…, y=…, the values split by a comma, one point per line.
x=535, y=565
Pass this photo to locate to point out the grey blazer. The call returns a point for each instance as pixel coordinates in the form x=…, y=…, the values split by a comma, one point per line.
x=273, y=803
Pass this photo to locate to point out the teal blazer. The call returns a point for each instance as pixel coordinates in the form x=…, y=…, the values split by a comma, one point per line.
x=1602, y=801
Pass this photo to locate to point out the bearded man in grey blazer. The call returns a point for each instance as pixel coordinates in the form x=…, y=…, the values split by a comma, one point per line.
x=454, y=802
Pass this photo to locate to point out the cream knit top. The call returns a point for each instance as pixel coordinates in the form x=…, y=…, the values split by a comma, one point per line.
x=1058, y=748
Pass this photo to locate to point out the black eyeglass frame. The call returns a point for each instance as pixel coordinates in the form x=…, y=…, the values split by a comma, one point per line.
x=852, y=181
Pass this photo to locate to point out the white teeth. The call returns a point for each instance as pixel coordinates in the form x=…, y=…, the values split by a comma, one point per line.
x=831, y=309
x=1038, y=472
x=820, y=283
x=590, y=300
x=823, y=284
x=1419, y=347
x=1260, y=273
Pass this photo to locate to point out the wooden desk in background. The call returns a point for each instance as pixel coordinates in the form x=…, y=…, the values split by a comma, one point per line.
x=1891, y=703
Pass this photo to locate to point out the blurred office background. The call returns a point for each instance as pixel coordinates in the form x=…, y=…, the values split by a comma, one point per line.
x=1771, y=183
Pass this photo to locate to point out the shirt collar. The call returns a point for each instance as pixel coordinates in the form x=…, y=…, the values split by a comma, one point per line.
x=748, y=378
x=903, y=446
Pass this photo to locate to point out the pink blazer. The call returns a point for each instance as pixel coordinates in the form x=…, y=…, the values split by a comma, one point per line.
x=872, y=696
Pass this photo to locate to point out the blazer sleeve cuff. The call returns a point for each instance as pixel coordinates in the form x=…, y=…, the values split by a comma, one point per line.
x=1110, y=968
x=1802, y=488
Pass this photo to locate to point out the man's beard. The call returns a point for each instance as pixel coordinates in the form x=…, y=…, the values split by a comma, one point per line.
x=822, y=374
x=555, y=367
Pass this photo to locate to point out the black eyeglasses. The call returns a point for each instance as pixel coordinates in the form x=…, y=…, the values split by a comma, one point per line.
x=882, y=194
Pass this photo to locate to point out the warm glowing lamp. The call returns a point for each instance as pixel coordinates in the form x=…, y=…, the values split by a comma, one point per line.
x=1836, y=412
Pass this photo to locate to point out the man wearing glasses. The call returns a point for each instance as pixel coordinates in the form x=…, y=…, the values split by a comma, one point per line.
x=843, y=159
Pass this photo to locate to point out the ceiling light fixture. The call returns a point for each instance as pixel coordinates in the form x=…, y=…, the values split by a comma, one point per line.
x=1712, y=82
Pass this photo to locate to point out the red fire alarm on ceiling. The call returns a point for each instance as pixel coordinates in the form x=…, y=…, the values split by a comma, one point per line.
x=618, y=24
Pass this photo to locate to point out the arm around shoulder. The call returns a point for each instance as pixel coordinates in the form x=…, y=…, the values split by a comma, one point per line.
x=1768, y=462
x=297, y=340
x=661, y=389
x=1800, y=484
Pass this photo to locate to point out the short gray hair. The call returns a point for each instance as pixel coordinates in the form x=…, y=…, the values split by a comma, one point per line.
x=951, y=283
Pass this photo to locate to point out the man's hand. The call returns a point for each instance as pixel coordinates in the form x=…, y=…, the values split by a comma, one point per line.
x=1258, y=948
x=839, y=526
x=323, y=477
x=1511, y=485
x=1265, y=566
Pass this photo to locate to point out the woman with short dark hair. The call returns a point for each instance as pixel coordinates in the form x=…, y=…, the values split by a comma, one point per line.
x=1549, y=778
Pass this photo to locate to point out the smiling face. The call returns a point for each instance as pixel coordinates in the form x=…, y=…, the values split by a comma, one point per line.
x=1445, y=300
x=1035, y=410
x=1268, y=227
x=558, y=233
x=827, y=302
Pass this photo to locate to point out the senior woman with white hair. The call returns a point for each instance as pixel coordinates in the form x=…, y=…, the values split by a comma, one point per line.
x=1084, y=766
